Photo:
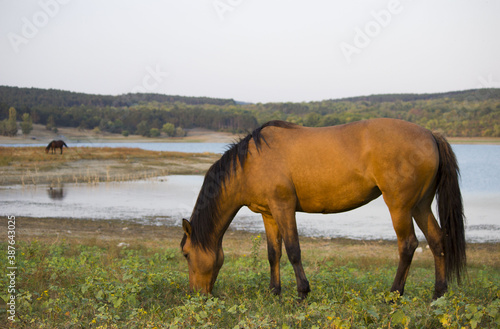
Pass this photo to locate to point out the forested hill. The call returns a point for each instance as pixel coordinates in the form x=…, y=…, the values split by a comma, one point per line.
x=33, y=97
x=461, y=96
x=461, y=113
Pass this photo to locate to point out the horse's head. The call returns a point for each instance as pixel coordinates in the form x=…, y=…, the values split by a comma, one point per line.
x=204, y=264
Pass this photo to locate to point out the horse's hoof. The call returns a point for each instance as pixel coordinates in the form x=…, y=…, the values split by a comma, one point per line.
x=275, y=290
x=303, y=295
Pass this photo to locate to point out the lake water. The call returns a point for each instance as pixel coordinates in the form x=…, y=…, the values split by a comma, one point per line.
x=166, y=200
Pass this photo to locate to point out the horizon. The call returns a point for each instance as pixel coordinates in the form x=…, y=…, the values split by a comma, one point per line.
x=255, y=52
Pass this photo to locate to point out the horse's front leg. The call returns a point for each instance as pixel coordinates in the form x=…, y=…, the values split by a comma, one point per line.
x=273, y=252
x=285, y=218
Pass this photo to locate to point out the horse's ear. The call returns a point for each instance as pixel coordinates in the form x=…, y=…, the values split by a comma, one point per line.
x=186, y=226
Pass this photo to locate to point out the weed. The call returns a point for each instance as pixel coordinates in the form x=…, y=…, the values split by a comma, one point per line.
x=100, y=285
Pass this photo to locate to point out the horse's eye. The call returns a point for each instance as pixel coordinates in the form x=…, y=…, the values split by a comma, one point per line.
x=185, y=255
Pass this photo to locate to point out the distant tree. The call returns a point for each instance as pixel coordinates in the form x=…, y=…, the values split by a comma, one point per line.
x=34, y=116
x=125, y=133
x=312, y=119
x=156, y=123
x=179, y=132
x=168, y=129
x=11, y=125
x=8, y=127
x=496, y=131
x=82, y=126
x=295, y=119
x=51, y=123
x=487, y=133
x=3, y=128
x=117, y=126
x=12, y=114
x=27, y=124
x=143, y=129
x=330, y=120
x=154, y=132
x=103, y=125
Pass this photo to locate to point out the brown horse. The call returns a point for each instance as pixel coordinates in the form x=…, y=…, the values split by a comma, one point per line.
x=55, y=145
x=281, y=168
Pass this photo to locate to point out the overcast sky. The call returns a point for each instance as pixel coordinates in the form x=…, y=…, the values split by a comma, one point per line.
x=251, y=50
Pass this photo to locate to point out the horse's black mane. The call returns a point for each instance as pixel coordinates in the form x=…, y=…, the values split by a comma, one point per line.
x=206, y=209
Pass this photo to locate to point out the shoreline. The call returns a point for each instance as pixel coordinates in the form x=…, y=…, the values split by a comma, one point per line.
x=112, y=232
x=226, y=139
x=46, y=228
x=474, y=140
x=40, y=135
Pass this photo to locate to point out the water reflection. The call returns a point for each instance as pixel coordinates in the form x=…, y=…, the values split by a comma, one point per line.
x=56, y=193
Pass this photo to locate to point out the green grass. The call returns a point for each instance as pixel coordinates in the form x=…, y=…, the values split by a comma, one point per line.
x=69, y=285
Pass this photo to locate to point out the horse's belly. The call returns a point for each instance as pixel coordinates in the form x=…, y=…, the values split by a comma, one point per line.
x=332, y=202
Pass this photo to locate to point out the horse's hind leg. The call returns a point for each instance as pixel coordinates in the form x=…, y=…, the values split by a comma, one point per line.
x=429, y=226
x=407, y=243
x=274, y=242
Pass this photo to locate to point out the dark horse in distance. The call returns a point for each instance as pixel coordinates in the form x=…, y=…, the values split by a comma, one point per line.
x=55, y=145
x=281, y=168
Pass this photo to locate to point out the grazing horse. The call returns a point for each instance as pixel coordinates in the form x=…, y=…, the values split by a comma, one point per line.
x=55, y=145
x=281, y=168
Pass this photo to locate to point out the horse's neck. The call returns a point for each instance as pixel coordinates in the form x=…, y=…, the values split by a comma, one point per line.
x=215, y=208
x=229, y=204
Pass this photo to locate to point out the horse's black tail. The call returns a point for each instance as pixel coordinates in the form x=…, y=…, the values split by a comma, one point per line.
x=451, y=210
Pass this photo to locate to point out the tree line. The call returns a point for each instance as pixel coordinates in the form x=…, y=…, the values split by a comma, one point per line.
x=464, y=113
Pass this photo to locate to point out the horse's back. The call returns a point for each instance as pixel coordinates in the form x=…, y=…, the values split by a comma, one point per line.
x=355, y=146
